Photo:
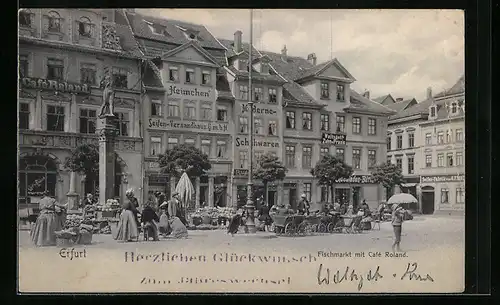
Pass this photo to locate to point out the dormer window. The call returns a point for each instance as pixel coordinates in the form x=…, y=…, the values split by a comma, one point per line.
x=26, y=18
x=85, y=27
x=433, y=111
x=454, y=108
x=54, y=22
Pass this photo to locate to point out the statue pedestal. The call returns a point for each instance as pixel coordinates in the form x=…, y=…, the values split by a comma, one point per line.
x=107, y=131
x=72, y=194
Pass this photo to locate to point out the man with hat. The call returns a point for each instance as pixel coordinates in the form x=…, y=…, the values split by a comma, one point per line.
x=303, y=207
x=397, y=221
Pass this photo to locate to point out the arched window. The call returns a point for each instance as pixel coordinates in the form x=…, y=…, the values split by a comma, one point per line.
x=25, y=18
x=37, y=174
x=85, y=27
x=54, y=21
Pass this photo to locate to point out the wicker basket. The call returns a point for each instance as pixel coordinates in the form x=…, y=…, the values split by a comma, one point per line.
x=85, y=238
x=64, y=242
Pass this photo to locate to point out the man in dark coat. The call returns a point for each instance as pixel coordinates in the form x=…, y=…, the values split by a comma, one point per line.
x=303, y=206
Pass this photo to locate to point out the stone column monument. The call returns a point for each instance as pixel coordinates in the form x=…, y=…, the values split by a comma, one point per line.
x=106, y=128
x=72, y=194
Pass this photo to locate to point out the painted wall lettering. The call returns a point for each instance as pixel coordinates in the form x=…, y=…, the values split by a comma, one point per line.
x=246, y=142
x=214, y=127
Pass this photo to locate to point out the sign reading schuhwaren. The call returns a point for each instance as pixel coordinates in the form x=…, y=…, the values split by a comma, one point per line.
x=245, y=142
x=442, y=178
x=46, y=84
x=181, y=91
x=335, y=139
x=213, y=127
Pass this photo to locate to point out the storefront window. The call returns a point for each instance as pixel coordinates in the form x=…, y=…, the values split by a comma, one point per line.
x=324, y=194
x=342, y=195
x=444, y=196
x=37, y=174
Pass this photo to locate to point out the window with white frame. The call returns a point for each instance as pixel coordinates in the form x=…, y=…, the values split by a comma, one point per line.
x=122, y=123
x=258, y=96
x=340, y=92
x=356, y=125
x=399, y=141
x=372, y=158
x=55, y=118
x=306, y=121
x=273, y=128
x=440, y=158
x=325, y=122
x=372, y=126
x=449, y=159
x=206, y=146
x=324, y=193
x=190, y=76
x=411, y=140
x=221, y=149
x=258, y=127
x=323, y=151
x=428, y=138
x=243, y=154
x=459, y=159
x=173, y=109
x=290, y=119
x=120, y=77
x=340, y=153
x=340, y=123
x=325, y=90
x=173, y=74
x=155, y=145
x=273, y=96
x=428, y=160
x=411, y=164
x=399, y=162
x=356, y=158
x=433, y=111
x=190, y=142
x=85, y=27
x=88, y=73
x=221, y=114
x=459, y=135
x=54, y=22
x=172, y=142
x=190, y=111
x=206, y=112
x=243, y=124
x=55, y=69
x=453, y=107
x=23, y=66
x=306, y=156
x=445, y=196
x=156, y=108
x=307, y=191
x=24, y=115
x=88, y=120
x=206, y=78
x=440, y=137
x=243, y=92
x=290, y=156
x=448, y=136
x=460, y=194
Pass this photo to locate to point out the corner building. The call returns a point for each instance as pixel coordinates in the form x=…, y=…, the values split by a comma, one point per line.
x=187, y=101
x=63, y=54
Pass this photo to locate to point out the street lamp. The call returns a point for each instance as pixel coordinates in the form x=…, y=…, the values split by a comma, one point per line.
x=250, y=207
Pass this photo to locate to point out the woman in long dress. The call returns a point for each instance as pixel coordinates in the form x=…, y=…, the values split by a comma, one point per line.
x=179, y=230
x=127, y=226
x=47, y=223
x=235, y=223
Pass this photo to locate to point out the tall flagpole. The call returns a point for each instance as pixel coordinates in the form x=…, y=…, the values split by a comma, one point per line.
x=250, y=207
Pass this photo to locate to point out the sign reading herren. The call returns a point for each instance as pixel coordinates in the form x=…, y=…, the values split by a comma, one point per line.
x=335, y=139
x=48, y=84
x=182, y=92
x=210, y=127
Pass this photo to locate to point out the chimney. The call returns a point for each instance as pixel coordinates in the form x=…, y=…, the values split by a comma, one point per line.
x=429, y=93
x=237, y=41
x=399, y=99
x=283, y=53
x=312, y=58
x=367, y=94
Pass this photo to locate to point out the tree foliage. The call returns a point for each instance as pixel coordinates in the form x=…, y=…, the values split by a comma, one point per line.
x=84, y=159
x=184, y=158
x=269, y=168
x=329, y=169
x=387, y=174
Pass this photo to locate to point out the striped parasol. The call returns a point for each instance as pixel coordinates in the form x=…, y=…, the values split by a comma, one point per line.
x=185, y=189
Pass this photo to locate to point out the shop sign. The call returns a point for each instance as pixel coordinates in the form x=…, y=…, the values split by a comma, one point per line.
x=357, y=179
x=258, y=110
x=256, y=143
x=332, y=138
x=46, y=84
x=181, y=91
x=240, y=172
x=214, y=127
x=442, y=178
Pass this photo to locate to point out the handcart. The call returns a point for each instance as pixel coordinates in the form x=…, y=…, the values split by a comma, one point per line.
x=287, y=224
x=349, y=224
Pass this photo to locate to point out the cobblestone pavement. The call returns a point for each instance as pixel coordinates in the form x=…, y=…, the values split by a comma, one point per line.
x=423, y=232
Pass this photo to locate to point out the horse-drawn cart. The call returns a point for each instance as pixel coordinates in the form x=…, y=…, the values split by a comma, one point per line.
x=296, y=225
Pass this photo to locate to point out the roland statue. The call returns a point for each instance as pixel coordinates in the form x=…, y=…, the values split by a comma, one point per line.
x=108, y=96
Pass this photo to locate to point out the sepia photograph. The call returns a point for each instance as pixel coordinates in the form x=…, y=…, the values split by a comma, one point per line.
x=241, y=151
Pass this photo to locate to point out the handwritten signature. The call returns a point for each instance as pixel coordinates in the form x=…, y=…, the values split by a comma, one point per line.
x=325, y=276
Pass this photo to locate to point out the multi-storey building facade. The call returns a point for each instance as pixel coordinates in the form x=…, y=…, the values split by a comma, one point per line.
x=434, y=162
x=187, y=101
x=63, y=54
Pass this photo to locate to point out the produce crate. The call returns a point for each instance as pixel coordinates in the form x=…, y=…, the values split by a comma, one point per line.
x=64, y=242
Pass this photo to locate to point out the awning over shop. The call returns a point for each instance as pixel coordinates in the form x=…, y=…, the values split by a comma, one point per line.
x=408, y=184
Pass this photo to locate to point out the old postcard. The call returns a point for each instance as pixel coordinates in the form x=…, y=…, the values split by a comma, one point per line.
x=260, y=151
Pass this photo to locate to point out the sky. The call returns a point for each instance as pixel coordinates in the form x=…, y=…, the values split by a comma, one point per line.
x=401, y=52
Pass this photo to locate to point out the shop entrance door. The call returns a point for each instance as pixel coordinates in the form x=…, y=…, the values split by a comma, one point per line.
x=293, y=198
x=427, y=200
x=355, y=197
x=270, y=198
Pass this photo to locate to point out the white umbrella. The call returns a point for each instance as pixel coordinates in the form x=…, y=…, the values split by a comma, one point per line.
x=185, y=189
x=402, y=198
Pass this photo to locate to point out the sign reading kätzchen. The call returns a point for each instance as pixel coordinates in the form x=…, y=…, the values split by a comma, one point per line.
x=335, y=139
